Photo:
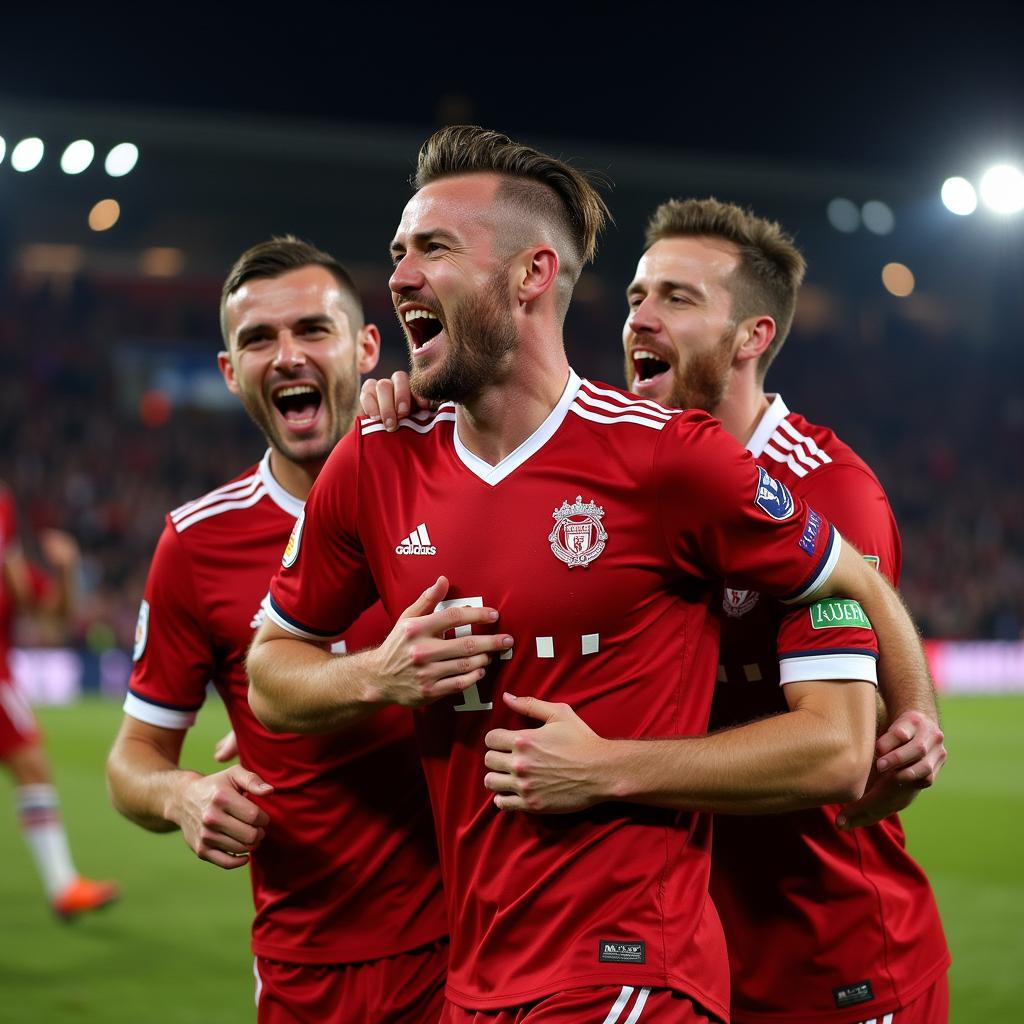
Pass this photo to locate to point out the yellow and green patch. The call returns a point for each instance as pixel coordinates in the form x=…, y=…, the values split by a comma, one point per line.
x=838, y=612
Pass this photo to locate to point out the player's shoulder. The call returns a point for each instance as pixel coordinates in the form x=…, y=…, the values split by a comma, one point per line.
x=807, y=452
x=422, y=423
x=610, y=409
x=212, y=509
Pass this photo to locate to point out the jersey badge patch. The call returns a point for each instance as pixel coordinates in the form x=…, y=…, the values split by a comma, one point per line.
x=141, y=631
x=291, y=550
x=809, y=538
x=578, y=537
x=834, y=612
x=736, y=603
x=773, y=497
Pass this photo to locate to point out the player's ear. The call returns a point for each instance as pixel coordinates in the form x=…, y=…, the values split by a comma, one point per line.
x=536, y=273
x=367, y=348
x=227, y=371
x=756, y=334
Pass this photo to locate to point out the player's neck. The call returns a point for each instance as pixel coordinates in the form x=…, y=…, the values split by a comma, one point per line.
x=743, y=406
x=496, y=423
x=295, y=477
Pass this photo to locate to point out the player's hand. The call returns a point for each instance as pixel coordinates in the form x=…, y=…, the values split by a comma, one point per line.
x=883, y=796
x=550, y=770
x=218, y=820
x=227, y=748
x=390, y=399
x=911, y=754
x=416, y=665
x=60, y=549
x=912, y=748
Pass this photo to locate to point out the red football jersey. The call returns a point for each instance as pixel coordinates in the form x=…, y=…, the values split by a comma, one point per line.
x=348, y=870
x=850, y=916
x=597, y=540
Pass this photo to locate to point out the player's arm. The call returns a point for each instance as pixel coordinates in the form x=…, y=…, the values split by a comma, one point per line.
x=817, y=752
x=217, y=819
x=297, y=685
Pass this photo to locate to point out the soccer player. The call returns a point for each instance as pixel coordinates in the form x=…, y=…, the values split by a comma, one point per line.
x=24, y=588
x=848, y=915
x=349, y=918
x=595, y=522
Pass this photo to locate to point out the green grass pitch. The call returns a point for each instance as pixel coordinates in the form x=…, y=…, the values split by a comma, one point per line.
x=175, y=949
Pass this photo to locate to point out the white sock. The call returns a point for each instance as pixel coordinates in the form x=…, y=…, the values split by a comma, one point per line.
x=39, y=813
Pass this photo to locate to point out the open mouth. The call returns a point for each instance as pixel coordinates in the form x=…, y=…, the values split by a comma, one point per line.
x=422, y=326
x=298, y=404
x=648, y=366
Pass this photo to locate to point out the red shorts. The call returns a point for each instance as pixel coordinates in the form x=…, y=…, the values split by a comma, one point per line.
x=625, y=1005
x=930, y=1007
x=18, y=726
x=403, y=989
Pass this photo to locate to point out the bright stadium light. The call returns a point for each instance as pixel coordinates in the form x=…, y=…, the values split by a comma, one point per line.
x=3, y=149
x=878, y=217
x=77, y=157
x=959, y=197
x=1002, y=189
x=26, y=154
x=898, y=279
x=121, y=159
x=104, y=215
x=843, y=216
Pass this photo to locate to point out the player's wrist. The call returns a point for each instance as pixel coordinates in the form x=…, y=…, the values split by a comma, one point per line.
x=175, y=800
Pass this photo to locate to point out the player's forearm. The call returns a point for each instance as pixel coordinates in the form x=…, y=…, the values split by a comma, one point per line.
x=144, y=785
x=796, y=760
x=297, y=686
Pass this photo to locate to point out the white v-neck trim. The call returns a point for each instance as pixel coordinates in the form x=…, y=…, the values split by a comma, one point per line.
x=278, y=495
x=495, y=474
x=773, y=416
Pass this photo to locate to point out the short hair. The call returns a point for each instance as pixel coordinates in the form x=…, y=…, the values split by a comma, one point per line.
x=770, y=270
x=281, y=255
x=544, y=186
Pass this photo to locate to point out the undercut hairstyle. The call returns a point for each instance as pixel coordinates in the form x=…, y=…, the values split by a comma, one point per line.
x=770, y=270
x=540, y=186
x=280, y=256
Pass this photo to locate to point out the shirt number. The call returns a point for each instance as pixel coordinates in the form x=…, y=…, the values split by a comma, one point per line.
x=471, y=695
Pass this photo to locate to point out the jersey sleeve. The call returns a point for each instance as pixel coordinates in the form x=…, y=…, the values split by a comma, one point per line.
x=8, y=520
x=173, y=655
x=833, y=639
x=725, y=517
x=324, y=582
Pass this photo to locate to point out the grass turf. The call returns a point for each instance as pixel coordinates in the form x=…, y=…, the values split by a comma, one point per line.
x=175, y=949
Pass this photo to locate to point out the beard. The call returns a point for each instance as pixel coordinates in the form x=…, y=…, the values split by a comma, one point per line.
x=339, y=409
x=703, y=381
x=481, y=337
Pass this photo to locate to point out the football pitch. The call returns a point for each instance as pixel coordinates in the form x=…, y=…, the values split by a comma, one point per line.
x=175, y=949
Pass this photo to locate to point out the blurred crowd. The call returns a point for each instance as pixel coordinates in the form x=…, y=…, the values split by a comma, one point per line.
x=91, y=445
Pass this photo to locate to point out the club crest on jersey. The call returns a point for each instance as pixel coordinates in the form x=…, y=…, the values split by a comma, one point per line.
x=578, y=537
x=773, y=497
x=736, y=603
x=141, y=631
x=291, y=550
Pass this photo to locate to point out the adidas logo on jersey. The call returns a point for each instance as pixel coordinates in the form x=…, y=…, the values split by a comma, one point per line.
x=417, y=543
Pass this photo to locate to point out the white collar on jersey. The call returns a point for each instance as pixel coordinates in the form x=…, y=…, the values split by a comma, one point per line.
x=495, y=474
x=773, y=416
x=278, y=495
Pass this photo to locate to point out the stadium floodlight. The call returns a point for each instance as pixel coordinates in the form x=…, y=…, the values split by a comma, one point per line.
x=959, y=196
x=27, y=154
x=77, y=157
x=1002, y=189
x=3, y=149
x=844, y=216
x=878, y=217
x=121, y=159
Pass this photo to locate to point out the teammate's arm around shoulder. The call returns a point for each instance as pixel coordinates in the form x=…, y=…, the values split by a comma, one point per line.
x=296, y=685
